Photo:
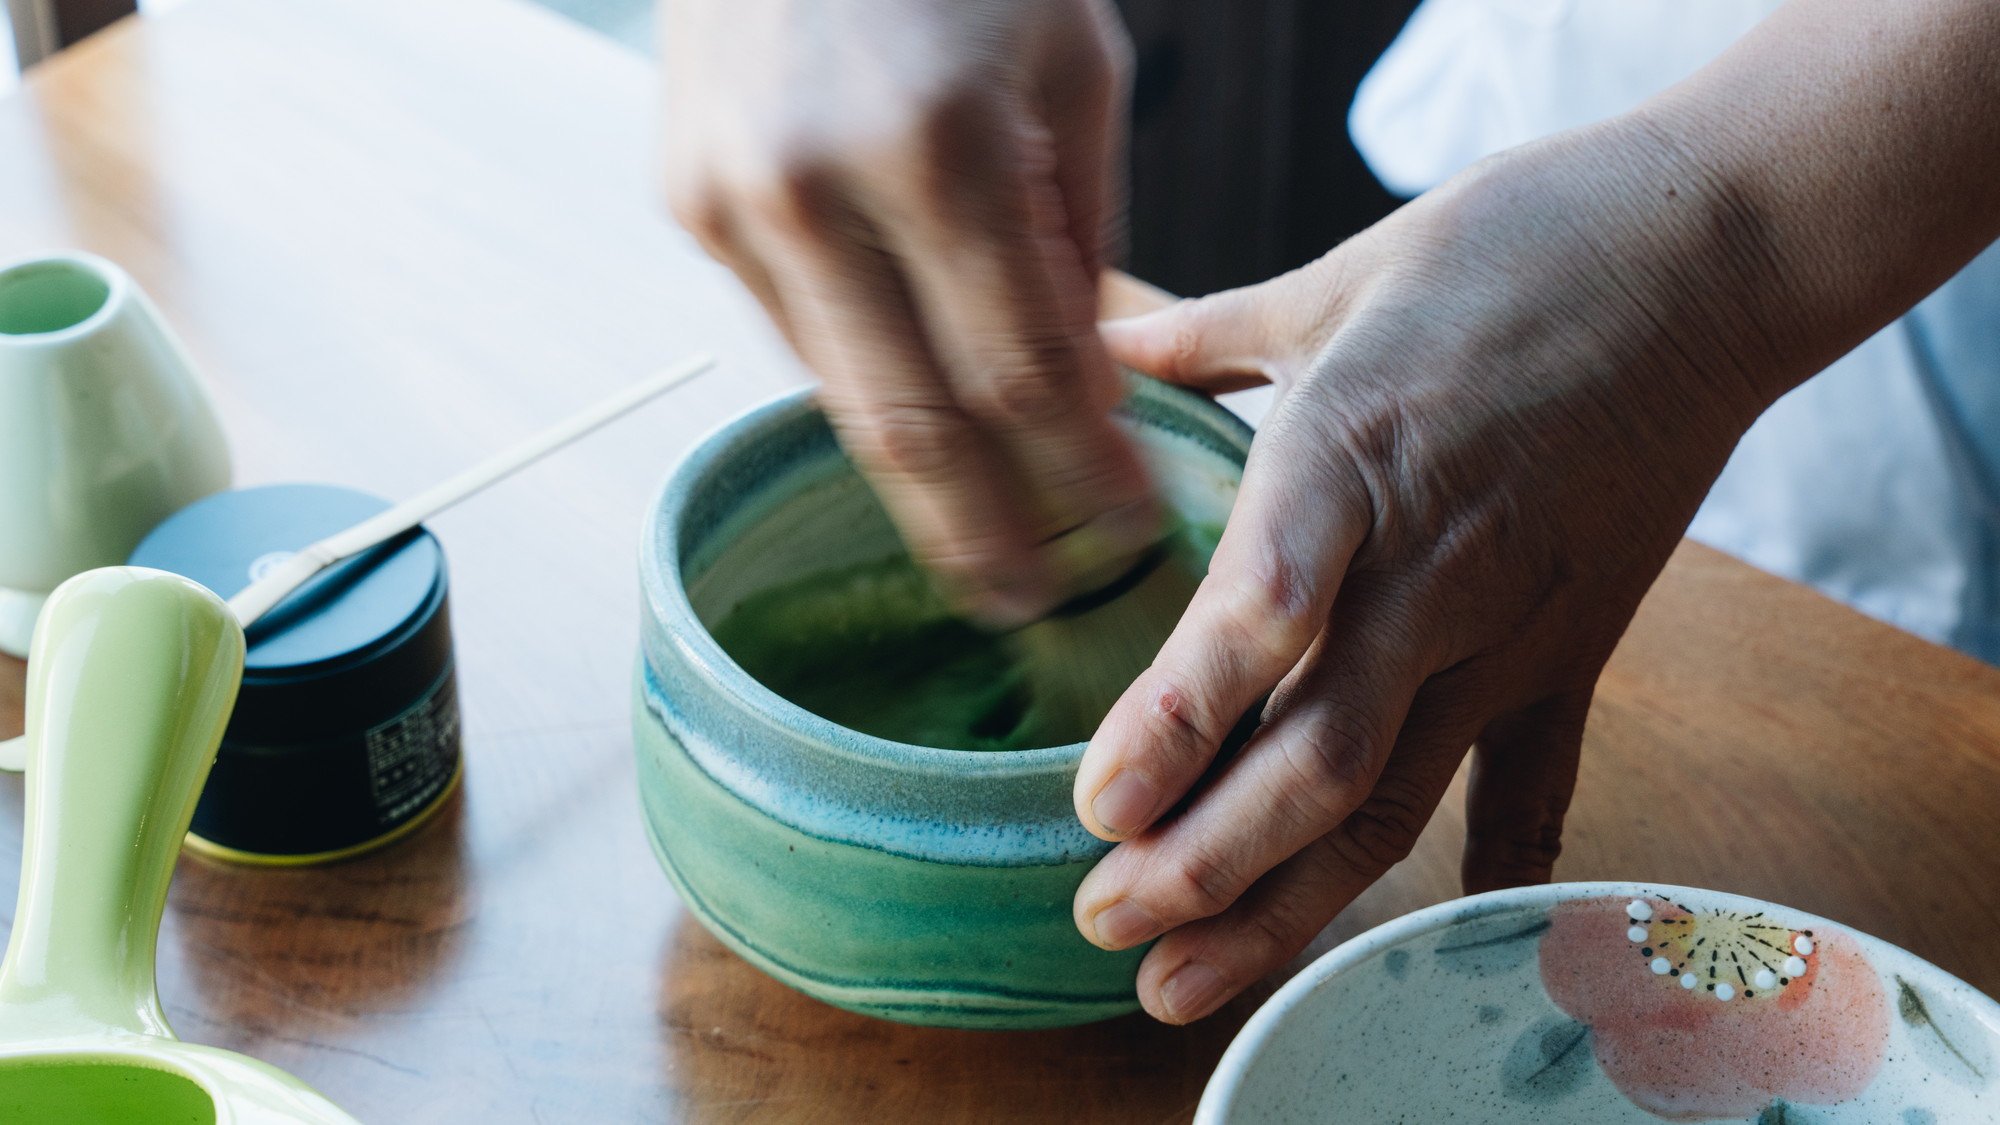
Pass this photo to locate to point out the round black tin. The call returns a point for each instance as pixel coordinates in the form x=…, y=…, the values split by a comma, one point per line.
x=345, y=734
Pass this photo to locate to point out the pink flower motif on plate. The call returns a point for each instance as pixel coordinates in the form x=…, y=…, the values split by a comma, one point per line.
x=1702, y=1014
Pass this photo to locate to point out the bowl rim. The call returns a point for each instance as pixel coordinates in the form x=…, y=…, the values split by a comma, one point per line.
x=1225, y=1085
x=666, y=598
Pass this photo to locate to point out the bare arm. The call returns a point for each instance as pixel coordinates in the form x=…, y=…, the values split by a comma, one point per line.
x=1848, y=154
x=1498, y=410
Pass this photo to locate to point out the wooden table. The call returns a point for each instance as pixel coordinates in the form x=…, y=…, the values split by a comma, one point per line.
x=399, y=234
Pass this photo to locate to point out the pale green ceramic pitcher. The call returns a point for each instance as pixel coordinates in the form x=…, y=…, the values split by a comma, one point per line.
x=131, y=681
x=105, y=428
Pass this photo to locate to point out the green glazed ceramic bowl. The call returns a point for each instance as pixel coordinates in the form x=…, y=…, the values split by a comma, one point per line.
x=916, y=884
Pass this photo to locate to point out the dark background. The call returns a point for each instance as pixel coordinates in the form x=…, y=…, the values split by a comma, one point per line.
x=1241, y=166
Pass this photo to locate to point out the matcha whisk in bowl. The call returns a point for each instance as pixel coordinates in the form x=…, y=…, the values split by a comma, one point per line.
x=928, y=884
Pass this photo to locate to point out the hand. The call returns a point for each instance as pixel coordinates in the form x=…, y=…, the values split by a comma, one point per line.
x=921, y=192
x=1498, y=409
x=1489, y=437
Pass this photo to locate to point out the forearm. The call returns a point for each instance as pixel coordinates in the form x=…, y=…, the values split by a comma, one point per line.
x=1724, y=242
x=1848, y=153
x=1498, y=410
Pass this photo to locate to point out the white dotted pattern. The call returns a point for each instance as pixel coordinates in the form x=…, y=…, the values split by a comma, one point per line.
x=1766, y=979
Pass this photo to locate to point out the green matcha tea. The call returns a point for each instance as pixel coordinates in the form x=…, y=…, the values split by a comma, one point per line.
x=874, y=648
x=100, y=1093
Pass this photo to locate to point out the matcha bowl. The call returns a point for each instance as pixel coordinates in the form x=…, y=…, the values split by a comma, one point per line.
x=910, y=882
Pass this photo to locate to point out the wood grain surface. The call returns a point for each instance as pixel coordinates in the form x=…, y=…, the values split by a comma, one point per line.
x=399, y=235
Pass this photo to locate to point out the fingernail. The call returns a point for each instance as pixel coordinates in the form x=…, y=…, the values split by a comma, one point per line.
x=1125, y=804
x=1124, y=924
x=1192, y=992
x=1132, y=322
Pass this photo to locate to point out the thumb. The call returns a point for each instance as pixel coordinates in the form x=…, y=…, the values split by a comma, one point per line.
x=1214, y=344
x=1237, y=338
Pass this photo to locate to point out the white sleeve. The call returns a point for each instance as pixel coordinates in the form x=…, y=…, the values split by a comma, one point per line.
x=1468, y=78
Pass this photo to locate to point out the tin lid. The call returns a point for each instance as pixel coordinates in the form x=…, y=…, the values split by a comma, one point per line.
x=352, y=644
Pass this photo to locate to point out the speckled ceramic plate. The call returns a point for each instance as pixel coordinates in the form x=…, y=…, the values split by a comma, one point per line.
x=1614, y=1002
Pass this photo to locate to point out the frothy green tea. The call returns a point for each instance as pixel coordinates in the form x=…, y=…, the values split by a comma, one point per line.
x=873, y=647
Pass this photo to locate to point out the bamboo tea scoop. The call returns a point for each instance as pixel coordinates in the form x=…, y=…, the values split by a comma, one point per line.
x=260, y=596
x=131, y=680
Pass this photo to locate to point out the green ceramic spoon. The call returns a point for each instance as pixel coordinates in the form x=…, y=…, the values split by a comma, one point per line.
x=131, y=680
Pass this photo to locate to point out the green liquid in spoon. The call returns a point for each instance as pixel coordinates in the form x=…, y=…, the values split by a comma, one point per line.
x=81, y=1093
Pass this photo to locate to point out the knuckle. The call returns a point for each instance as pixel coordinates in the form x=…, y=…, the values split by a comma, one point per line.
x=1512, y=867
x=968, y=159
x=1381, y=833
x=906, y=439
x=1331, y=759
x=699, y=207
x=1033, y=385
x=1282, y=588
x=1281, y=926
x=795, y=193
x=1178, y=718
x=1202, y=885
x=1273, y=605
x=1094, y=71
x=1184, y=343
x=1379, y=440
x=956, y=127
x=1522, y=856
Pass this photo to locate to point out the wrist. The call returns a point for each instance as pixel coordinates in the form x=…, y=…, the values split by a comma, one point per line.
x=1651, y=268
x=1724, y=276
